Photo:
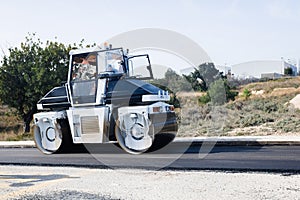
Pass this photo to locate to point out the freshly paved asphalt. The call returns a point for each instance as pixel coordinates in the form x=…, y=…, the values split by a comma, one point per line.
x=177, y=155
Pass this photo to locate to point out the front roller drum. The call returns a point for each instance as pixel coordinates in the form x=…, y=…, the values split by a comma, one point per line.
x=132, y=133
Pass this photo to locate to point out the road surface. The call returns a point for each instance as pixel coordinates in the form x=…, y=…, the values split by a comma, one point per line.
x=177, y=156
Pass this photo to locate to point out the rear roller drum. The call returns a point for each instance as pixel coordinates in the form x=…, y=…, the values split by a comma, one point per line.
x=48, y=137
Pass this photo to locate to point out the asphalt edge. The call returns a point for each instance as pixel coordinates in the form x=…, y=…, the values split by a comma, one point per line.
x=223, y=141
x=243, y=140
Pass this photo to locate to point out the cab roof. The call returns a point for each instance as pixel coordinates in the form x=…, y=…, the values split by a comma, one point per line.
x=85, y=50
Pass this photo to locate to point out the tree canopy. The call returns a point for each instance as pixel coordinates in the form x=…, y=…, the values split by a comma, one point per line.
x=288, y=71
x=173, y=82
x=31, y=70
x=208, y=79
x=204, y=75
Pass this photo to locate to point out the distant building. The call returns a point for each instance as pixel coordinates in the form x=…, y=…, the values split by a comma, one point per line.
x=291, y=66
x=256, y=68
x=262, y=68
x=271, y=75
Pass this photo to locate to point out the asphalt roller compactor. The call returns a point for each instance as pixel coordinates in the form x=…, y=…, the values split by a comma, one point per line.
x=106, y=99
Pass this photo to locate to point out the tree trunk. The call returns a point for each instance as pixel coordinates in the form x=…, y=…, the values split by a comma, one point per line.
x=26, y=127
x=27, y=119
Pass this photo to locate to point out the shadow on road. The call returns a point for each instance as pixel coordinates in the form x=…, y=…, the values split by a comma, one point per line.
x=32, y=179
x=197, y=147
x=164, y=145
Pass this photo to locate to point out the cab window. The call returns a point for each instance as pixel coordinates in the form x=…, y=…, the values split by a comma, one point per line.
x=83, y=82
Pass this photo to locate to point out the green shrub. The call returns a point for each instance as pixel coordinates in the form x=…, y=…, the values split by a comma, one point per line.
x=255, y=119
x=217, y=92
x=204, y=99
x=246, y=93
x=288, y=124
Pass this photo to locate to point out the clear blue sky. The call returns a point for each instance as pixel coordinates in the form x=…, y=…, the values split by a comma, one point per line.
x=230, y=31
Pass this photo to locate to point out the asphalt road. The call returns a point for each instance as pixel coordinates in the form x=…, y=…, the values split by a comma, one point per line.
x=179, y=156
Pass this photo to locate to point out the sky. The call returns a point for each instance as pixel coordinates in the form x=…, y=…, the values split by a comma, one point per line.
x=230, y=31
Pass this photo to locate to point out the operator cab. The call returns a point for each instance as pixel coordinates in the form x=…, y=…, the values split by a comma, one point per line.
x=91, y=71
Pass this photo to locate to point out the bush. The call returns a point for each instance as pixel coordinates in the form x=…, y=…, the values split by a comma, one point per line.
x=204, y=99
x=255, y=119
x=231, y=95
x=246, y=93
x=289, y=124
x=217, y=92
x=288, y=71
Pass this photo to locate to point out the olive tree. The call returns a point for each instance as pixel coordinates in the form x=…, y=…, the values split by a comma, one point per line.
x=29, y=71
x=203, y=76
x=207, y=78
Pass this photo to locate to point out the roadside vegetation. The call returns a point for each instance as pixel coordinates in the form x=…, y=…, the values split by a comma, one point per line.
x=11, y=126
x=265, y=113
x=211, y=104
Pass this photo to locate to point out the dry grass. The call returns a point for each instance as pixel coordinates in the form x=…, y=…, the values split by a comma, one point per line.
x=11, y=126
x=269, y=86
x=190, y=94
x=272, y=88
x=264, y=113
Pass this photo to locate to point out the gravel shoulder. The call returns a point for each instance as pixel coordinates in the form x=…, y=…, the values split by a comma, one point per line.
x=24, y=182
